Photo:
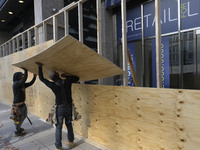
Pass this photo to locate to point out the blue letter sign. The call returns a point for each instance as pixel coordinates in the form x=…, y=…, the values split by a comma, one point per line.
x=189, y=12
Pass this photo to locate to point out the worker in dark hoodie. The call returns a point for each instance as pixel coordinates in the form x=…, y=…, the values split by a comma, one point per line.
x=19, y=109
x=63, y=99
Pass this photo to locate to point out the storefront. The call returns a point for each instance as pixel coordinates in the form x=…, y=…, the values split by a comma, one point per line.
x=180, y=48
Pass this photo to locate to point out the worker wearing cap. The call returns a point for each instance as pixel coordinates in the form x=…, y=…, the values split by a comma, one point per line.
x=63, y=99
x=19, y=106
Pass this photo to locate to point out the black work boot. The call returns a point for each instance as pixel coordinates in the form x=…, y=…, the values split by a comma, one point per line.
x=20, y=133
x=21, y=129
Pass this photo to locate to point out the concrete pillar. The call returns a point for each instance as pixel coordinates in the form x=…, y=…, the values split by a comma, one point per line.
x=50, y=7
x=108, y=39
x=44, y=9
x=38, y=11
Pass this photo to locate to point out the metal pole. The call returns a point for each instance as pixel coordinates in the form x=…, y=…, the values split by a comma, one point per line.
x=124, y=42
x=80, y=21
x=142, y=81
x=179, y=46
x=158, y=43
x=80, y=24
x=99, y=33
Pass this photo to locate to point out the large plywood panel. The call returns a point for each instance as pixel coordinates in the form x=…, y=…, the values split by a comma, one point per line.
x=139, y=118
x=71, y=56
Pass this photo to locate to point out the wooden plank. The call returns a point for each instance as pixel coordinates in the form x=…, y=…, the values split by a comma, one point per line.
x=188, y=120
x=71, y=56
x=132, y=68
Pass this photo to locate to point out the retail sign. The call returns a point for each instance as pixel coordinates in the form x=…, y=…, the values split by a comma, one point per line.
x=165, y=72
x=189, y=13
x=169, y=17
x=134, y=26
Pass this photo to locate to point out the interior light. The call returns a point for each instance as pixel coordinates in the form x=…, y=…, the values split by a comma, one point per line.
x=3, y=20
x=10, y=12
x=21, y=2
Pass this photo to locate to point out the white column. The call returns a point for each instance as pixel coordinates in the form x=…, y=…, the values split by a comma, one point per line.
x=99, y=33
x=80, y=21
x=124, y=42
x=158, y=43
x=55, y=29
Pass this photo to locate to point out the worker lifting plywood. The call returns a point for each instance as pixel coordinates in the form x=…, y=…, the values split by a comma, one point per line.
x=70, y=56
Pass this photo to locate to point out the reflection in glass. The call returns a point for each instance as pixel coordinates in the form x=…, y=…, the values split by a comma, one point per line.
x=174, y=61
x=148, y=63
x=187, y=49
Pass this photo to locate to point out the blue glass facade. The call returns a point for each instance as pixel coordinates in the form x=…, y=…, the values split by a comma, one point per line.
x=178, y=51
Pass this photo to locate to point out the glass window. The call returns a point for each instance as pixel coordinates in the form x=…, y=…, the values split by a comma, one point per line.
x=90, y=28
x=90, y=24
x=187, y=50
x=148, y=63
x=177, y=80
x=174, y=61
x=73, y=23
x=135, y=49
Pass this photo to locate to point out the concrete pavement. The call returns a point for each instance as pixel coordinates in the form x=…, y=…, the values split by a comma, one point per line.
x=40, y=135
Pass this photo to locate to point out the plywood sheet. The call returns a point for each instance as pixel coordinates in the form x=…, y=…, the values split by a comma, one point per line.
x=71, y=56
x=139, y=118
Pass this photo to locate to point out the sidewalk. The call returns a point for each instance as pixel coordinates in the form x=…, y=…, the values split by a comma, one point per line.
x=40, y=136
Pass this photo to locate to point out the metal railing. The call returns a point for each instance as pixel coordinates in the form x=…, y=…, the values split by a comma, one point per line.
x=55, y=27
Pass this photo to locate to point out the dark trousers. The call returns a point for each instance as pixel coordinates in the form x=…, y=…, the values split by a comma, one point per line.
x=23, y=110
x=64, y=112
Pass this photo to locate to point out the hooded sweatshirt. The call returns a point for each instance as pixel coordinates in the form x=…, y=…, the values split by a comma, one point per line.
x=19, y=86
x=61, y=88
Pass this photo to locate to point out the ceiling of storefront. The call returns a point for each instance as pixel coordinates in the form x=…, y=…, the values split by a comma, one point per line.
x=14, y=6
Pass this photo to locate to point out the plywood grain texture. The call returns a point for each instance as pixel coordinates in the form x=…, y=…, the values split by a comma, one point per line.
x=71, y=56
x=139, y=118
